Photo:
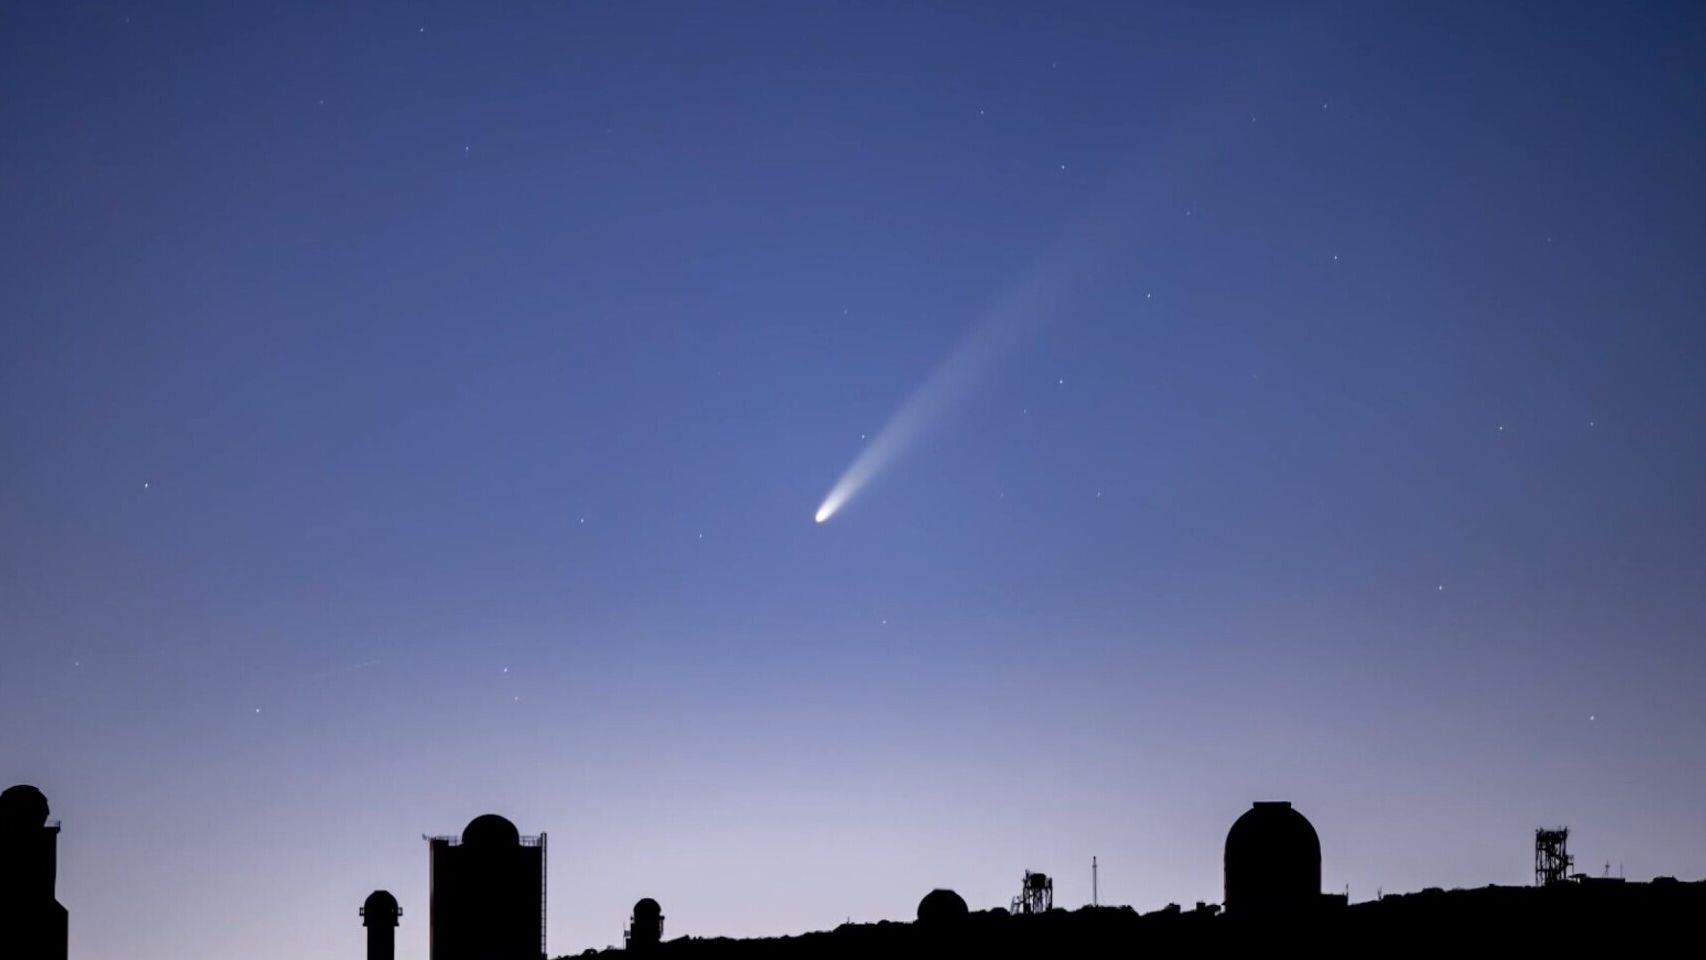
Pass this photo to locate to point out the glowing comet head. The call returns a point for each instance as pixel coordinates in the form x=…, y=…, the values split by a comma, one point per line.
x=828, y=509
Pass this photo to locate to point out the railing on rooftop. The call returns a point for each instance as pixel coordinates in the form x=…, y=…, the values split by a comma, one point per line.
x=451, y=841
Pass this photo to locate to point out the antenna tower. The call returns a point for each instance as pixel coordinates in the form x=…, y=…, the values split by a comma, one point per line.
x=1552, y=860
x=1036, y=895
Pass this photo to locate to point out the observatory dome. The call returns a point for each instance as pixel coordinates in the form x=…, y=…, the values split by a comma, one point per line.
x=1273, y=859
x=941, y=906
x=380, y=909
x=22, y=807
x=647, y=907
x=490, y=830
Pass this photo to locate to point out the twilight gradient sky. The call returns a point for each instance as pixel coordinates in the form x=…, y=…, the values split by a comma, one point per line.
x=413, y=410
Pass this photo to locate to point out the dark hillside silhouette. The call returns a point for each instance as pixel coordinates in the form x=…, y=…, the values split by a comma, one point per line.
x=1623, y=919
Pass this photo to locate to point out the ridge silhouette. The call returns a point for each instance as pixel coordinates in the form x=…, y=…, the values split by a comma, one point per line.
x=488, y=903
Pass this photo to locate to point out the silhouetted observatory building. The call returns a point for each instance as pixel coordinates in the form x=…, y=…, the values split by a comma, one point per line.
x=33, y=925
x=380, y=914
x=1273, y=862
x=488, y=893
x=941, y=908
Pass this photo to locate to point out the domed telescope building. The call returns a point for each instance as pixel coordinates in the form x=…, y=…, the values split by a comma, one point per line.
x=488, y=893
x=1273, y=862
x=941, y=908
x=379, y=914
x=645, y=926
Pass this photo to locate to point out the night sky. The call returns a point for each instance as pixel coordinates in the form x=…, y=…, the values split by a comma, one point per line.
x=414, y=410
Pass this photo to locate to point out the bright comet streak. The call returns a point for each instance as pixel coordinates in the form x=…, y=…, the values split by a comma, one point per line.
x=1032, y=301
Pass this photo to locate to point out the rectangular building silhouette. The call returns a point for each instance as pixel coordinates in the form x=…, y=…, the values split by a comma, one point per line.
x=488, y=893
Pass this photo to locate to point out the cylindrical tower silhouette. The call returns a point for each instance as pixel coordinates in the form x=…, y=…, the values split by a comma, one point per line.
x=379, y=915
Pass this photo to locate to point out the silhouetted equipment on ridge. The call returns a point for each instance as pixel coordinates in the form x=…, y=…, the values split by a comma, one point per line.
x=488, y=893
x=1273, y=861
x=33, y=924
x=379, y=914
x=941, y=908
x=645, y=926
x=1036, y=894
x=1552, y=860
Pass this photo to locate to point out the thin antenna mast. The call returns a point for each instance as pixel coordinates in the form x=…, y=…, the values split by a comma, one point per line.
x=1095, y=894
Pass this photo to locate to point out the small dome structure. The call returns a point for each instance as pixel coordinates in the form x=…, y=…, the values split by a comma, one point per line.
x=940, y=907
x=490, y=830
x=380, y=909
x=23, y=807
x=645, y=927
x=1273, y=860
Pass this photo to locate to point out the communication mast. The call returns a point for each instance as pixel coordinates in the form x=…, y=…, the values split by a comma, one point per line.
x=1095, y=898
x=1036, y=895
x=1552, y=860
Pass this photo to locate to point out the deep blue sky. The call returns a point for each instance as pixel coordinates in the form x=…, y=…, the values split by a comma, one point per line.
x=414, y=410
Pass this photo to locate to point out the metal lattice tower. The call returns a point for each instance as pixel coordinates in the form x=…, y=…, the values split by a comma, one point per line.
x=1552, y=860
x=1036, y=895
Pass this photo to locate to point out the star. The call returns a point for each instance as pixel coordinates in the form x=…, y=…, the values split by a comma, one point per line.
x=1061, y=381
x=145, y=485
x=1335, y=258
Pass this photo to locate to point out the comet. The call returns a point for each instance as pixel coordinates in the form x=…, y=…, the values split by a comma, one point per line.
x=1031, y=302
